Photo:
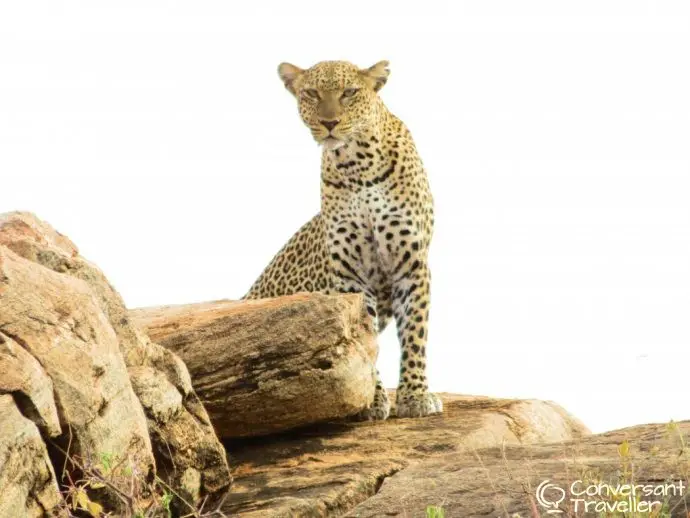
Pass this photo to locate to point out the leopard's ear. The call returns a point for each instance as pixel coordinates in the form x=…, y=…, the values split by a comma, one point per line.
x=289, y=74
x=376, y=75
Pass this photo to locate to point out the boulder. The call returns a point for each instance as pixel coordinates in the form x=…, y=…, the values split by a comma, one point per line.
x=505, y=480
x=270, y=365
x=84, y=313
x=57, y=321
x=27, y=480
x=329, y=468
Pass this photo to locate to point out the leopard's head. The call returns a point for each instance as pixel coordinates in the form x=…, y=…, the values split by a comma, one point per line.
x=337, y=101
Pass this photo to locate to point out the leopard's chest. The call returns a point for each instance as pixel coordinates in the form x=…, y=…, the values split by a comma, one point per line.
x=367, y=227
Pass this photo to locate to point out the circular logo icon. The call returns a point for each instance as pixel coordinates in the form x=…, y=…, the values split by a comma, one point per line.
x=550, y=496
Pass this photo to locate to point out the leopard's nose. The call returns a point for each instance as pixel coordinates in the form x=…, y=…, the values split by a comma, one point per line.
x=329, y=125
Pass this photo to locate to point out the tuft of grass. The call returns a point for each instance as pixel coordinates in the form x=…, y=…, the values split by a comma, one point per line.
x=166, y=500
x=434, y=511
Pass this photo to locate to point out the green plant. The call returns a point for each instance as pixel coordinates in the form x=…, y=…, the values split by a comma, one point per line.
x=166, y=500
x=434, y=511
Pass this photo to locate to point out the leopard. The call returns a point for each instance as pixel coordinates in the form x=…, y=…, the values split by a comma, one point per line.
x=375, y=224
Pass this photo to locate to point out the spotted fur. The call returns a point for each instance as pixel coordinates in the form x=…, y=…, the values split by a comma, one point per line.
x=373, y=233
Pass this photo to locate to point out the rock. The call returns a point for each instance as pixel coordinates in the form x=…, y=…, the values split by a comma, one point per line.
x=56, y=320
x=24, y=377
x=503, y=481
x=276, y=363
x=27, y=480
x=186, y=456
x=169, y=408
x=329, y=468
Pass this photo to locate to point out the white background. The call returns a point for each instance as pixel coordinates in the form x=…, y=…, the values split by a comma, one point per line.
x=159, y=138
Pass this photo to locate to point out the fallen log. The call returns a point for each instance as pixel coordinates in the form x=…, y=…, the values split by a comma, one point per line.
x=263, y=366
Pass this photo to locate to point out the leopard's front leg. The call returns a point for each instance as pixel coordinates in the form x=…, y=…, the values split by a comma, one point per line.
x=346, y=279
x=411, y=309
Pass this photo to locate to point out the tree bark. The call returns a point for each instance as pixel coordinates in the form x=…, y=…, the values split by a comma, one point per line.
x=269, y=365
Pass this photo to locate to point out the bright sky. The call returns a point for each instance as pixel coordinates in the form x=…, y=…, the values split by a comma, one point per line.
x=158, y=137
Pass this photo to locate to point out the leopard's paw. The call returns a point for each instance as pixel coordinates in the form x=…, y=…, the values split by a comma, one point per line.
x=419, y=404
x=379, y=409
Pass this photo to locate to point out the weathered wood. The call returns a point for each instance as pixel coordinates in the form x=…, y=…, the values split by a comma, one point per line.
x=269, y=365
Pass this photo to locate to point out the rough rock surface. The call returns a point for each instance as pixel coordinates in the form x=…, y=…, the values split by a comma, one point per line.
x=27, y=479
x=60, y=309
x=24, y=377
x=56, y=320
x=327, y=469
x=276, y=363
x=502, y=481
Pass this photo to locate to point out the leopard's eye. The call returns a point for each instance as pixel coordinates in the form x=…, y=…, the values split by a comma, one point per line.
x=312, y=94
x=349, y=92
